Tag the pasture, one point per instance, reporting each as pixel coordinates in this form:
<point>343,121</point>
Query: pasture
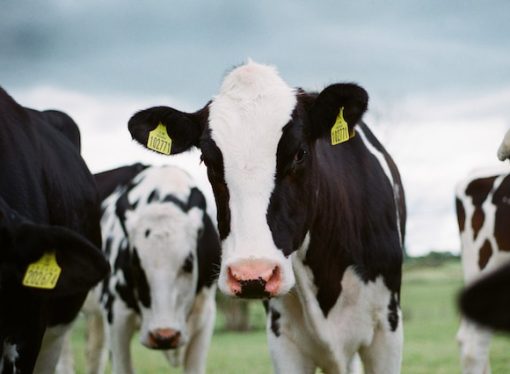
<point>431,322</point>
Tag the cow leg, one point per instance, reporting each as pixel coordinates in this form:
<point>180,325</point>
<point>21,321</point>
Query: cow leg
<point>384,354</point>
<point>51,347</point>
<point>287,357</point>
<point>96,350</point>
<point>65,363</point>
<point>195,359</point>
<point>474,343</point>
<point>120,333</point>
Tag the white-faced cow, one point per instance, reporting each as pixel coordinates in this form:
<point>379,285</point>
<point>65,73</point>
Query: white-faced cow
<point>315,228</point>
<point>483,213</point>
<point>48,206</point>
<point>165,253</point>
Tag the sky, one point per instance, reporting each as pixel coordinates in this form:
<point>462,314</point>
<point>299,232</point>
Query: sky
<point>436,72</point>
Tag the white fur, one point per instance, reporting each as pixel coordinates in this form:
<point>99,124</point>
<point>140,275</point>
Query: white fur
<point>173,235</point>
<point>246,120</point>
<point>384,165</point>
<point>474,341</point>
<point>10,354</point>
<point>504,148</point>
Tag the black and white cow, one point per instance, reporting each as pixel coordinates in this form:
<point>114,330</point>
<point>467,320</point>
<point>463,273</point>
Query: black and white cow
<point>48,204</point>
<point>316,228</point>
<point>483,213</point>
<point>164,252</point>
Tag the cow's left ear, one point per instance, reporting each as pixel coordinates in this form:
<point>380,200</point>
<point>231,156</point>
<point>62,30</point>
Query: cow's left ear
<point>82,264</point>
<point>338,107</point>
<point>167,130</point>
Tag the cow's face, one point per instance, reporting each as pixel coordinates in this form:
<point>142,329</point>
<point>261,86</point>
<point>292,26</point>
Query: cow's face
<point>163,239</point>
<point>257,138</point>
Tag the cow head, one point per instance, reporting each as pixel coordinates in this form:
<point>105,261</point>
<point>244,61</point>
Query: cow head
<point>257,139</point>
<point>163,239</point>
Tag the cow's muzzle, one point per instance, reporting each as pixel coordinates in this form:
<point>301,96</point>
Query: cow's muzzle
<point>254,279</point>
<point>164,338</point>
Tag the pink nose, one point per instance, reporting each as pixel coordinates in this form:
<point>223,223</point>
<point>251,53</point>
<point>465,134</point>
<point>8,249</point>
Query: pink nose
<point>254,279</point>
<point>164,338</point>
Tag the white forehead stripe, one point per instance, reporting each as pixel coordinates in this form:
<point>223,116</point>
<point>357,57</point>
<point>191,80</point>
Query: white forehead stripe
<point>246,120</point>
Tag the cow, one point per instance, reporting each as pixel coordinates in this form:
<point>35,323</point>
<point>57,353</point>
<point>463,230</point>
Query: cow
<point>483,214</point>
<point>310,211</point>
<point>50,236</point>
<point>504,148</point>
<point>164,253</point>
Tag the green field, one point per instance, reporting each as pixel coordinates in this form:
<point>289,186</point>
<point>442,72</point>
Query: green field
<point>431,322</point>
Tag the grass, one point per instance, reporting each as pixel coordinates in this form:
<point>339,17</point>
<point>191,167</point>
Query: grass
<point>430,326</point>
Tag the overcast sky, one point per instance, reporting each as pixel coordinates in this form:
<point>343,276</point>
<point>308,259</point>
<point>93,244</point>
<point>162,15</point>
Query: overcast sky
<point>437,73</point>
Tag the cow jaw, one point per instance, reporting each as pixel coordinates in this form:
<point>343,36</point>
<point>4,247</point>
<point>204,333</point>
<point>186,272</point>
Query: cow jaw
<point>246,121</point>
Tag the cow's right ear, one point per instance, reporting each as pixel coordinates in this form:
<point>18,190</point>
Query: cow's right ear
<point>183,129</point>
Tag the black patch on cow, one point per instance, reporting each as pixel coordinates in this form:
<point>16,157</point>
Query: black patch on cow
<point>393,312</point>
<point>147,233</point>
<point>122,205</point>
<point>461,214</point>
<point>213,159</point>
<point>124,263</point>
<point>501,199</point>
<point>253,289</point>
<point>109,181</point>
<point>484,254</point>
<point>209,254</point>
<point>265,304</point>
<point>153,196</point>
<point>487,300</point>
<point>107,247</point>
<point>187,266</point>
<point>275,321</point>
<point>478,190</point>
<point>196,199</point>
<point>142,285</point>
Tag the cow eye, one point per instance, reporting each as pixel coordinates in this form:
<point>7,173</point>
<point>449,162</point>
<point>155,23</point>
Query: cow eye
<point>300,156</point>
<point>187,267</point>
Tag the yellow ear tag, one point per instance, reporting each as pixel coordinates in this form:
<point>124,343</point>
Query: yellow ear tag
<point>159,140</point>
<point>340,130</point>
<point>43,273</point>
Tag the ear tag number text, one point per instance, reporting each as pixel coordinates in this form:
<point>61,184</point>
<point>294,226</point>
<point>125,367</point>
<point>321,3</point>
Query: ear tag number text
<point>43,273</point>
<point>159,140</point>
<point>340,130</point>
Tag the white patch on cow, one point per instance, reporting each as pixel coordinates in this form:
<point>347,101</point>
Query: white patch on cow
<point>474,341</point>
<point>246,120</point>
<point>384,165</point>
<point>10,354</point>
<point>358,322</point>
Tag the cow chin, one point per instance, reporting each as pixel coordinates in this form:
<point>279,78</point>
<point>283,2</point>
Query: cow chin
<point>256,277</point>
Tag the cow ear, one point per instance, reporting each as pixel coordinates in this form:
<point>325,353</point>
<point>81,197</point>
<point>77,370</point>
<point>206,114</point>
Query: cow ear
<point>179,130</point>
<point>487,301</point>
<point>339,101</point>
<point>82,264</point>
